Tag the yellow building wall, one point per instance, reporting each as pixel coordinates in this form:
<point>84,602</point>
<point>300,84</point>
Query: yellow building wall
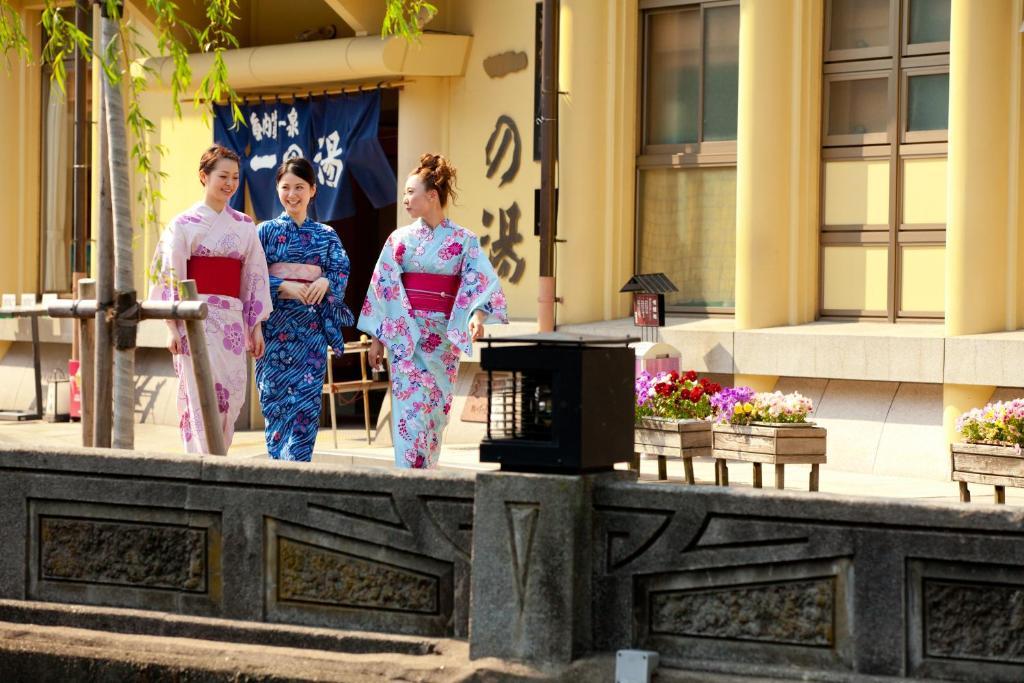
<point>20,90</point>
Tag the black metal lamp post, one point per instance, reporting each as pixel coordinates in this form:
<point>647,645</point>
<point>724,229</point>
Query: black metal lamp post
<point>558,403</point>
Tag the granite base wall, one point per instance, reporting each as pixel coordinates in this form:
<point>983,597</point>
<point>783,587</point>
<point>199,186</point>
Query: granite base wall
<point>783,584</point>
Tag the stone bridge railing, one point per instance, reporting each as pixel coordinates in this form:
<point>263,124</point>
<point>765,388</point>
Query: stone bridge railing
<point>545,568</point>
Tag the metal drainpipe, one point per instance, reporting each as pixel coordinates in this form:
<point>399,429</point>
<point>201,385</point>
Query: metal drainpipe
<point>548,159</point>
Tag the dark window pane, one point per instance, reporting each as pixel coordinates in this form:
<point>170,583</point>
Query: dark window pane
<point>858,106</point>
<point>721,71</point>
<point>928,102</point>
<point>929,21</point>
<point>673,76</point>
<point>859,24</point>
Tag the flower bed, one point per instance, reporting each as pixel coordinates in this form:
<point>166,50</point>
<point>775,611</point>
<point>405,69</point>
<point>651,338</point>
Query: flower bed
<point>672,419</point>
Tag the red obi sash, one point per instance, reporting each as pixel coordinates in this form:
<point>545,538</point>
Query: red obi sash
<point>431,292</point>
<point>219,275</point>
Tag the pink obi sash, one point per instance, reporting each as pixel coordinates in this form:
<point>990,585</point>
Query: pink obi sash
<point>295,272</point>
<point>218,275</point>
<point>431,292</point>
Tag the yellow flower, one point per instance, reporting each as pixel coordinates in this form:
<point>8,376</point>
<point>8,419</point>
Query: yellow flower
<point>737,409</point>
<point>748,408</point>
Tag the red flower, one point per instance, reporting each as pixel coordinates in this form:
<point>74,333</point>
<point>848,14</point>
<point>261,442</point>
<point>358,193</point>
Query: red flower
<point>714,388</point>
<point>696,393</point>
<point>691,375</point>
<point>704,382</point>
<point>674,376</point>
<point>663,389</point>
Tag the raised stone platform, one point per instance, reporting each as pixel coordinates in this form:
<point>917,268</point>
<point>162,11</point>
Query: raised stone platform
<point>756,582</point>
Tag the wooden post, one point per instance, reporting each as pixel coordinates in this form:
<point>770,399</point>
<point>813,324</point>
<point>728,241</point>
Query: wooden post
<point>780,477</point>
<point>688,470</point>
<point>364,340</point>
<point>103,382</point>
<point>330,395</point>
<point>814,477</point>
<point>757,475</point>
<point>1000,495</point>
<point>87,333</point>
<point>662,468</point>
<point>203,371</point>
<point>965,493</point>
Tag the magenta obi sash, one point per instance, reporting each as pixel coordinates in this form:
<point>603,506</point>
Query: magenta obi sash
<point>431,292</point>
<point>220,275</point>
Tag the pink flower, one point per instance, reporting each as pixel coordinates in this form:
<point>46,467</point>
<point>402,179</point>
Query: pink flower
<point>455,249</point>
<point>431,342</point>
<point>399,253</point>
<point>498,300</point>
<point>388,328</point>
<point>462,300</point>
<point>223,396</point>
<point>234,338</point>
<point>281,239</point>
<point>367,306</point>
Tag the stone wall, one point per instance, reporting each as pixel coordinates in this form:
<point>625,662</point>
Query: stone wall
<point>287,543</point>
<point>784,584</point>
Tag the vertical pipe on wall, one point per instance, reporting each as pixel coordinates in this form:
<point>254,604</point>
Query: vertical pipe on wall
<point>548,161</point>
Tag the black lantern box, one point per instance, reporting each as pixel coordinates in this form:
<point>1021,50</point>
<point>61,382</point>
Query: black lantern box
<point>558,403</point>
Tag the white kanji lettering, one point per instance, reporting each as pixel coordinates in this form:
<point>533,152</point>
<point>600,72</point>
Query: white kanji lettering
<point>328,158</point>
<point>270,124</point>
<point>292,152</point>
<point>254,124</point>
<point>293,123</point>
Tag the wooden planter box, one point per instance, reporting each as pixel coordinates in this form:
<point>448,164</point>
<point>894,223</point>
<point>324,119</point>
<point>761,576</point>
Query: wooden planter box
<point>683,439</point>
<point>977,463</point>
<point>768,444</point>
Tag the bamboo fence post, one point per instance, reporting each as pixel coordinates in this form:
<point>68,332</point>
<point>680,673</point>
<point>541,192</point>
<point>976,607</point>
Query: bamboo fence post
<point>87,350</point>
<point>203,371</point>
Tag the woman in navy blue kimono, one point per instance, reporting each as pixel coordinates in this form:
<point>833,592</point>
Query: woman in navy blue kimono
<point>308,273</point>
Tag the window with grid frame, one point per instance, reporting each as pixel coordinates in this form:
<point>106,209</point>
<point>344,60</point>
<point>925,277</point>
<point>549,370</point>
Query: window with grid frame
<point>884,130</point>
<point>686,166</point>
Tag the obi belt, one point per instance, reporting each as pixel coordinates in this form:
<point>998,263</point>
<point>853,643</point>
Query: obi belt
<point>220,275</point>
<point>295,272</point>
<point>431,292</point>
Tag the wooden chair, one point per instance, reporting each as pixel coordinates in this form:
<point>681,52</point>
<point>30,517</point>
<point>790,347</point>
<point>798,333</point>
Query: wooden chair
<point>365,384</point>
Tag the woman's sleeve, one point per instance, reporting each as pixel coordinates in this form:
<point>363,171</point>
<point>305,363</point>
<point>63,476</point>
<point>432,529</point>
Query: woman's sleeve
<point>336,271</point>
<point>170,264</point>
<point>479,290</point>
<point>255,286</point>
<point>386,313</point>
<point>266,233</point>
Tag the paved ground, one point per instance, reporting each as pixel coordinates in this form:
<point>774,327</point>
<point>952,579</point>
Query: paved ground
<point>353,450</point>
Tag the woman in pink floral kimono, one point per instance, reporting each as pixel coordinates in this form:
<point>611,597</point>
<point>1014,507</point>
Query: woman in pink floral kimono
<point>217,247</point>
<point>430,295</point>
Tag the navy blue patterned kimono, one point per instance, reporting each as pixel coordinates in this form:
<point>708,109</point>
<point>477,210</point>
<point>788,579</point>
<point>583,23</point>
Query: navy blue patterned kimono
<point>290,374</point>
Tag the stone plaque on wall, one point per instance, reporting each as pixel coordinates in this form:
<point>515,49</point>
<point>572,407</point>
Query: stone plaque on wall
<point>320,578</point>
<point>125,556</point>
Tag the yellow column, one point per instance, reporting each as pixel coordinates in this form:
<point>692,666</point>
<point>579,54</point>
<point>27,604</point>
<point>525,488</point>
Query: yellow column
<point>596,158</point>
<point>957,399</point>
<point>777,165</point>
<point>982,36</point>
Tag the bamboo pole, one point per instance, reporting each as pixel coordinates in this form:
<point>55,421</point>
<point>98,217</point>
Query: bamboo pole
<point>87,334</point>
<point>203,371</point>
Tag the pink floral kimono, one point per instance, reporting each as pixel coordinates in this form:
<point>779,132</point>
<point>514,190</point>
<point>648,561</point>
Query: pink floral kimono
<point>201,231</point>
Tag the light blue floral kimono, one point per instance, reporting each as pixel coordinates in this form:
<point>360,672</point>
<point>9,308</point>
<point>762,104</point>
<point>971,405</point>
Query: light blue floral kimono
<point>424,347</point>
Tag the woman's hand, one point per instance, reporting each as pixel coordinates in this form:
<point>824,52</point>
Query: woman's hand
<point>292,290</point>
<point>174,343</point>
<point>376,355</point>
<point>476,326</point>
<point>255,343</point>
<point>315,291</point>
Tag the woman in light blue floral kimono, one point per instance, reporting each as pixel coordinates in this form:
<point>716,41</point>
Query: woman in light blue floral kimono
<point>308,274</point>
<point>429,297</point>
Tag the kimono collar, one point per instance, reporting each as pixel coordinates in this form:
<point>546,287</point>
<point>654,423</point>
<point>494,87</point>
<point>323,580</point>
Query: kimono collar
<point>204,209</point>
<point>290,222</point>
<point>445,223</point>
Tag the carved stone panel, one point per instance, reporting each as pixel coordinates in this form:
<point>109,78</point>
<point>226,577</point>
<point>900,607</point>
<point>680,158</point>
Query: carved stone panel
<point>320,578</point>
<point>771,613</point>
<point>795,612</point>
<point>125,556</point>
<point>307,573</point>
<point>965,620</point>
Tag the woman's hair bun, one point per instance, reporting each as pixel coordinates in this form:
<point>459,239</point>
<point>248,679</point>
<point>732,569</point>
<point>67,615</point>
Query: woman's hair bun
<point>437,173</point>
